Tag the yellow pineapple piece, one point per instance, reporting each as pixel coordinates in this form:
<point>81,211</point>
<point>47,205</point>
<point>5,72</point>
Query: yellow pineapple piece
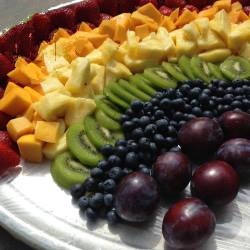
<point>216,55</point>
<point>47,131</point>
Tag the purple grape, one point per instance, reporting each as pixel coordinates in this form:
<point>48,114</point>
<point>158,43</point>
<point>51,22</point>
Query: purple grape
<point>235,124</point>
<point>200,137</point>
<point>136,197</point>
<point>236,152</point>
<point>215,182</point>
<point>172,172</point>
<point>188,224</point>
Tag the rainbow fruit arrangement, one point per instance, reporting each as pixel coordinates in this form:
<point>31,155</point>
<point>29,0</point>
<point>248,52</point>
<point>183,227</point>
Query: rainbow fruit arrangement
<point>125,98</point>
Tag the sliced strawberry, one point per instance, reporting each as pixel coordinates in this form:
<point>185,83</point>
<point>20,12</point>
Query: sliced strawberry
<point>88,11</point>
<point>198,3</point>
<point>62,18</point>
<point>143,2</point>
<point>8,42</point>
<point>166,11</point>
<point>1,92</point>
<point>127,5</point>
<point>105,16</point>
<point>5,138</point>
<point>109,6</point>
<point>191,7</point>
<point>247,10</point>
<point>4,119</point>
<point>42,27</point>
<point>8,157</point>
<point>6,65</point>
<point>245,2</point>
<point>175,3</point>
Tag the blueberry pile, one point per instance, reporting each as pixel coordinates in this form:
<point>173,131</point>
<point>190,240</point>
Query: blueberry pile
<point>150,129</point>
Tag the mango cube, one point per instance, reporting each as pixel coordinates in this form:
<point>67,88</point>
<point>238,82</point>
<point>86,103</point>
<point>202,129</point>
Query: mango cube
<point>30,148</point>
<point>47,131</point>
<point>151,11</point>
<point>18,127</point>
<point>35,96</point>
<point>142,31</point>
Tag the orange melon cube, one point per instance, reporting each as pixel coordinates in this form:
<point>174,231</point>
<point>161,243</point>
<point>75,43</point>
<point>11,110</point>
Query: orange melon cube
<point>209,13</point>
<point>35,96</point>
<point>83,46</point>
<point>151,11</point>
<point>142,31</point>
<point>168,23</point>
<point>186,17</point>
<point>10,86</point>
<point>138,19</point>
<point>47,131</point>
<point>174,15</point>
<point>236,6</point>
<point>84,27</point>
<point>223,4</point>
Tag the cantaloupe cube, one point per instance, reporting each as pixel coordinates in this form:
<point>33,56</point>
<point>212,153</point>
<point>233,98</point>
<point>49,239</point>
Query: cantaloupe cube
<point>108,27</point>
<point>151,11</point>
<point>35,96</point>
<point>83,46</point>
<point>175,14</point>
<point>84,27</point>
<point>142,31</point>
<point>18,127</point>
<point>47,131</point>
<point>209,13</point>
<point>223,4</point>
<point>168,23</point>
<point>38,88</point>
<point>29,113</point>
<point>60,33</point>
<point>15,102</point>
<point>186,17</point>
<point>123,24</point>
<point>236,6</point>
<point>30,148</point>
<point>138,19</point>
<point>18,76</point>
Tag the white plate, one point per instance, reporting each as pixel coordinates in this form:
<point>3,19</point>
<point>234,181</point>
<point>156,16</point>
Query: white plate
<point>41,214</point>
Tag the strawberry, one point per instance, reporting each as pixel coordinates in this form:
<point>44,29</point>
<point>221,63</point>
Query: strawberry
<point>191,7</point>
<point>245,2</point>
<point>62,18</point>
<point>198,3</point>
<point>109,6</point>
<point>89,11</point>
<point>1,92</point>
<point>143,2</point>
<point>8,42</point>
<point>8,157</point>
<point>247,10</point>
<point>5,138</point>
<point>105,16</point>
<point>175,3</point>
<point>6,65</point>
<point>4,119</point>
<point>165,10</point>
<point>42,27</point>
<point>127,5</point>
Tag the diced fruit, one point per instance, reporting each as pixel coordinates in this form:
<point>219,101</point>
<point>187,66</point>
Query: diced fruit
<point>151,11</point>
<point>186,17</point>
<point>18,127</point>
<point>51,84</point>
<point>6,65</point>
<point>223,4</point>
<point>166,11</point>
<point>216,55</point>
<point>47,131</point>
<point>109,6</point>
<point>209,13</point>
<point>30,148</point>
<point>35,96</point>
<point>175,3</point>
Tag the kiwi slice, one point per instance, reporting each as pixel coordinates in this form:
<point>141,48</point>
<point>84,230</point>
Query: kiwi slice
<point>106,122</point>
<point>134,90</point>
<point>141,83</point>
<point>108,108</point>
<point>215,71</point>
<point>115,99</point>
<point>200,69</point>
<point>81,147</point>
<point>235,67</point>
<point>174,71</point>
<point>67,171</point>
<point>184,64</point>
<point>117,90</point>
<point>159,78</point>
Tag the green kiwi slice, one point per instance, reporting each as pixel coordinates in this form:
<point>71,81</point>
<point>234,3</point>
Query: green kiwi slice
<point>159,78</point>
<point>174,71</point>
<point>215,71</point>
<point>235,67</point>
<point>81,147</point>
<point>184,64</point>
<point>141,83</point>
<point>67,171</point>
<point>106,122</point>
<point>200,69</point>
<point>134,90</point>
<point>115,99</point>
<point>108,108</point>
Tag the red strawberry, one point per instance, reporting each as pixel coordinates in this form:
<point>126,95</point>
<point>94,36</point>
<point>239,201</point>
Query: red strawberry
<point>143,2</point>
<point>4,119</point>
<point>105,16</point>
<point>8,157</point>
<point>165,10</point>
<point>127,5</point>
<point>247,10</point>
<point>6,65</point>
<point>89,11</point>
<point>42,27</point>
<point>1,92</point>
<point>245,2</point>
<point>175,3</point>
<point>8,42</point>
<point>191,7</point>
<point>109,6</point>
<point>198,3</point>
<point>62,18</point>
<point>5,138</point>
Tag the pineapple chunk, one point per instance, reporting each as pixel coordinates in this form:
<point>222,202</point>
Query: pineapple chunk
<point>245,51</point>
<point>62,74</point>
<point>191,31</point>
<point>216,55</point>
<point>203,25</point>
<point>51,84</point>
<point>47,131</point>
<point>184,46</point>
<point>97,78</point>
<point>53,62</point>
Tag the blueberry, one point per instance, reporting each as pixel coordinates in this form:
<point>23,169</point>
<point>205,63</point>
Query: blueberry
<point>173,123</point>
<point>127,171</point>
<point>159,114</point>
<point>136,121</point>
<point>112,217</point>
<point>121,151</point>
<point>155,101</point>
<point>108,200</point>
<point>229,90</point>
<point>159,95</point>
<point>228,98</point>
<point>107,150</point>
<point>91,214</point>
<point>131,160</point>
<point>196,111</point>
<point>194,102</point>
<point>194,93</point>
<point>109,186</point>
<point>172,131</point>
<point>96,173</point>
<point>83,203</point>
<point>132,146</point>
<point>208,113</point>
<point>137,133</point>
<point>90,184</point>
<point>220,91</point>
<point>181,123</point>
<point>124,118</point>
<point>236,104</point>
<point>187,107</point>
<point>165,104</point>
<point>141,166</point>
<point>121,142</point>
<point>96,201</point>
<point>239,91</point>
<point>114,160</point>
<point>178,116</point>
<point>178,94</point>
<point>137,106</point>
<point>159,140</point>
<point>191,116</point>
<point>144,143</point>
<point>128,126</point>
<point>245,104</point>
<point>129,112</point>
<point>144,121</point>
<point>211,104</point>
<point>150,129</point>
<point>203,98</point>
<point>153,147</point>
<point>148,106</point>
<point>171,141</point>
<point>77,191</point>
<point>238,97</point>
<point>115,173</point>
<point>184,88</point>
<point>104,165</point>
<point>100,186</point>
<point>162,125</point>
<point>207,91</point>
<point>145,171</point>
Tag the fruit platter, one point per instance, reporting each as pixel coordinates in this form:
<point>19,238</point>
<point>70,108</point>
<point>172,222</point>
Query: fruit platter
<point>126,125</point>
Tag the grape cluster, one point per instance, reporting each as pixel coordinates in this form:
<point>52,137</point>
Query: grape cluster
<point>150,129</point>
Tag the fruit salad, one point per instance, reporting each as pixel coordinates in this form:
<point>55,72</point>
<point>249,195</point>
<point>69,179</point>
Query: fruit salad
<point>131,101</point>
